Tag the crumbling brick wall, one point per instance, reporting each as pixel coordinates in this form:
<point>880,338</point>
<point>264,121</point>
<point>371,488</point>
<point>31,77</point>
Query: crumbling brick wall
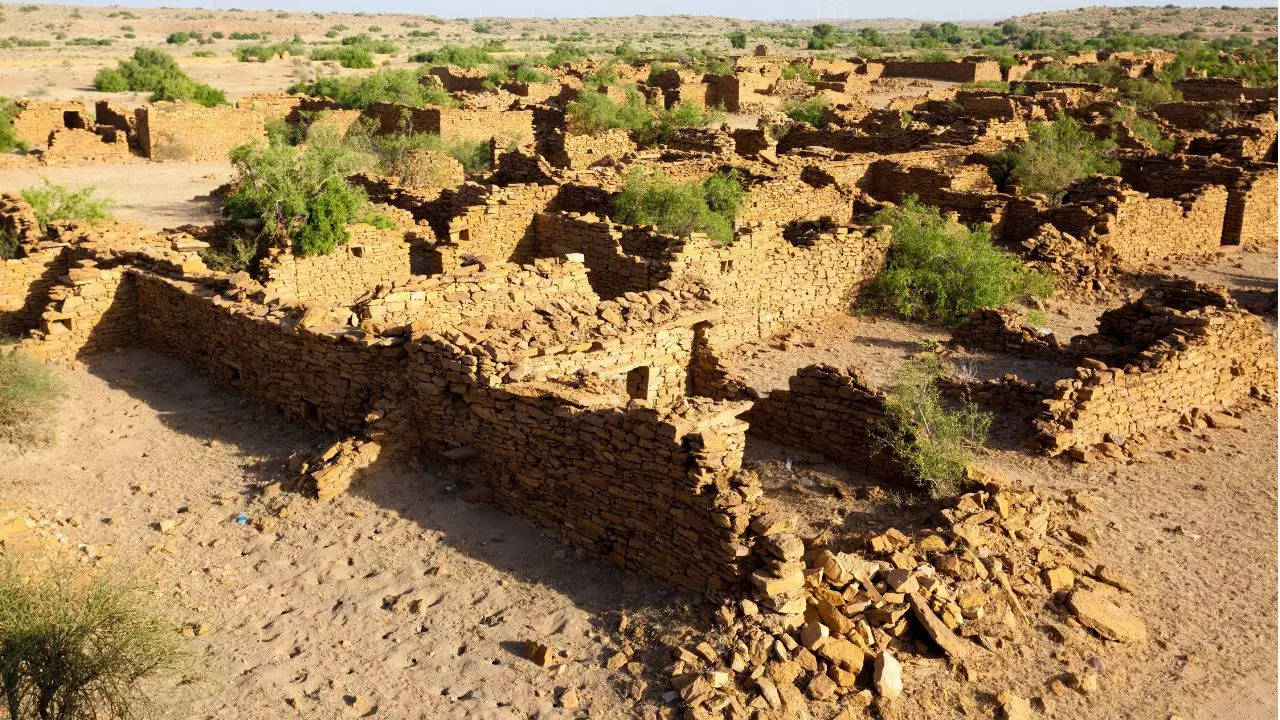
<point>651,491</point>
<point>1251,212</point>
<point>95,312</point>
<point>950,71</point>
<point>455,124</point>
<point>194,133</point>
<point>493,223</point>
<point>311,376</point>
<point>370,256</point>
<point>614,269</point>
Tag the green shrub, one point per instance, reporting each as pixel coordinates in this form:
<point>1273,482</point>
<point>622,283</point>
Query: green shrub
<point>737,39</point>
<point>29,394</point>
<point>55,202</point>
<point>204,53</point>
<point>1144,128</point>
<point>940,271</point>
<point>8,135</point>
<point>593,113</point>
<point>90,42</point>
<point>564,53</point>
<point>1058,154</point>
<point>459,56</point>
<point>259,52</point>
<point>178,38</point>
<point>935,442</point>
<point>76,648</point>
<point>796,69</point>
<point>806,111</point>
<point>681,208</point>
<point>823,37</point>
<point>238,255</point>
<point>1146,94</point>
<point>155,72</point>
<point>387,85</point>
<point>9,242</point>
<point>301,196</point>
<point>667,122</point>
<point>347,57</point>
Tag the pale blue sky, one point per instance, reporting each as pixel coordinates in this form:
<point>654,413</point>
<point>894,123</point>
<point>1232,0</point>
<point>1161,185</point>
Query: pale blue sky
<point>751,9</point>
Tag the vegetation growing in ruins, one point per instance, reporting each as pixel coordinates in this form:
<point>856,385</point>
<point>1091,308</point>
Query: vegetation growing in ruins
<point>593,113</point>
<point>936,442</point>
<point>391,153</point>
<point>387,85</point>
<point>806,111</point>
<point>155,72</point>
<point>681,208</point>
<point>55,202</point>
<point>1144,128</point>
<point>237,255</point>
<point>75,647</point>
<point>1056,155</point>
<point>301,195</point>
<point>939,271</point>
<point>8,135</point>
<point>29,393</point>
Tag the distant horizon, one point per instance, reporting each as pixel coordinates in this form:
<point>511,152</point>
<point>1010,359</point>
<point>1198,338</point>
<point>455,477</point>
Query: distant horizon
<point>754,10</point>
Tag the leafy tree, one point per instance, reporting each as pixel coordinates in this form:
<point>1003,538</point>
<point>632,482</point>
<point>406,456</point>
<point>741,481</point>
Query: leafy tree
<point>738,39</point>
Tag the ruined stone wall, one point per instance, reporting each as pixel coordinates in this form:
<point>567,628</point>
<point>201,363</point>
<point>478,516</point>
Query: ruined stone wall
<point>1133,226</point>
<point>96,311</point>
<point>370,256</point>
<point>25,283</point>
<point>950,71</point>
<point>84,147</point>
<point>315,377</point>
<point>575,152</point>
<point>792,198</point>
<point>765,282</point>
<point>443,301</point>
<point>834,413</point>
<point>493,223</point>
<point>1251,213</point>
<point>1204,357</point>
<point>613,270</point>
<point>194,133</point>
<point>455,124</point>
<point>651,491</point>
<point>1212,89</point>
<point>36,120</point>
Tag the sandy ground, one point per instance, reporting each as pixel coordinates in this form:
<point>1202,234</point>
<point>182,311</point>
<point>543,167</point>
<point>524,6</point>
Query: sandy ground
<point>296,610</point>
<point>158,194</point>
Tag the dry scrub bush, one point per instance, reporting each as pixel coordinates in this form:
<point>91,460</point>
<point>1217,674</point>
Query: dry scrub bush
<point>29,394</point>
<point>76,648</point>
<point>936,442</point>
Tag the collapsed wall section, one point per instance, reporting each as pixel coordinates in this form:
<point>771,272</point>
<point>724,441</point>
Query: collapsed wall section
<point>447,300</point>
<point>1182,350</point>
